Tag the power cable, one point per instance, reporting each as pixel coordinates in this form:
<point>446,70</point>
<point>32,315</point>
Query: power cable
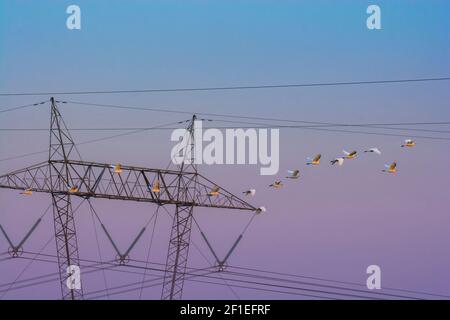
<point>148,252</point>
<point>9,109</point>
<point>86,142</point>
<point>228,88</point>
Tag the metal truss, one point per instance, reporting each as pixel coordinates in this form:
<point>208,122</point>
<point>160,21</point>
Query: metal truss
<point>177,255</point>
<point>66,244</point>
<point>99,180</point>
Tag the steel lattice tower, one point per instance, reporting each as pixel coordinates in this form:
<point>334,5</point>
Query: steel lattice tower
<point>61,147</point>
<point>177,255</point>
<point>63,178</point>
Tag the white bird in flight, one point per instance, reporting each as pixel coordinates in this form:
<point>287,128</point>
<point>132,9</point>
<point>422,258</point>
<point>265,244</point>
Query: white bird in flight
<point>339,161</point>
<point>409,143</point>
<point>27,192</point>
<point>156,187</point>
<point>214,191</point>
<point>374,150</point>
<point>260,210</point>
<point>73,189</point>
<point>314,161</point>
<point>350,155</point>
<point>250,192</point>
<point>392,168</point>
<point>293,174</point>
<point>117,168</point>
<point>277,184</point>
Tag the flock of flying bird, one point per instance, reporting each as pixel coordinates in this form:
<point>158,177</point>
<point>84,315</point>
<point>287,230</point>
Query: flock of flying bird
<point>295,174</point>
<point>292,174</point>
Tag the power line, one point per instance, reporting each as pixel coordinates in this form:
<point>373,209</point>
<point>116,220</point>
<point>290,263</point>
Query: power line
<point>98,248</point>
<point>262,284</point>
<point>229,88</point>
<point>326,124</point>
<point>302,276</point>
<point>311,124</point>
<point>35,255</point>
<point>265,290</point>
<point>267,125</point>
<point>149,250</point>
<point>229,116</point>
<point>242,127</point>
<point>238,280</point>
<point>191,278</point>
<point>354,293</point>
<point>23,106</point>
<point>90,141</point>
<point>334,281</point>
<point>126,285</point>
<point>110,267</point>
<point>288,127</point>
<point>33,284</point>
<point>232,116</point>
<point>382,134</point>
<point>268,278</point>
<point>114,268</point>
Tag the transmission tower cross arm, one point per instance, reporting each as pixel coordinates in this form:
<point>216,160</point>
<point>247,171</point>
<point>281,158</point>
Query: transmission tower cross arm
<point>33,178</point>
<point>120,182</point>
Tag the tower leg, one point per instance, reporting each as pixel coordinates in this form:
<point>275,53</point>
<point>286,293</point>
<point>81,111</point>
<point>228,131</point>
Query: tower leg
<point>66,246</point>
<point>177,254</point>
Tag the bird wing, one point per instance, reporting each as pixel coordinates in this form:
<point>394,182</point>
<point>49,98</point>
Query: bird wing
<point>346,152</point>
<point>353,153</point>
<point>393,166</point>
<point>317,158</point>
<point>376,150</point>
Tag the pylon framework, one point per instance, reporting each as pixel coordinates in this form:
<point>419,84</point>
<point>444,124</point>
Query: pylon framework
<point>62,177</point>
<point>177,254</point>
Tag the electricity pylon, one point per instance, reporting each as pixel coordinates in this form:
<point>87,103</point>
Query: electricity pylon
<point>62,178</point>
<point>177,254</point>
<point>61,147</point>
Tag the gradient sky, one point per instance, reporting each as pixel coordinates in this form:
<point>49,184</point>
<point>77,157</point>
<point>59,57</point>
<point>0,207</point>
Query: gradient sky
<point>333,222</point>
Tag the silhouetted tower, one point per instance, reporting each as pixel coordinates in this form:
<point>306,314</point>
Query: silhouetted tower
<point>177,255</point>
<point>63,178</point>
<point>61,147</point>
